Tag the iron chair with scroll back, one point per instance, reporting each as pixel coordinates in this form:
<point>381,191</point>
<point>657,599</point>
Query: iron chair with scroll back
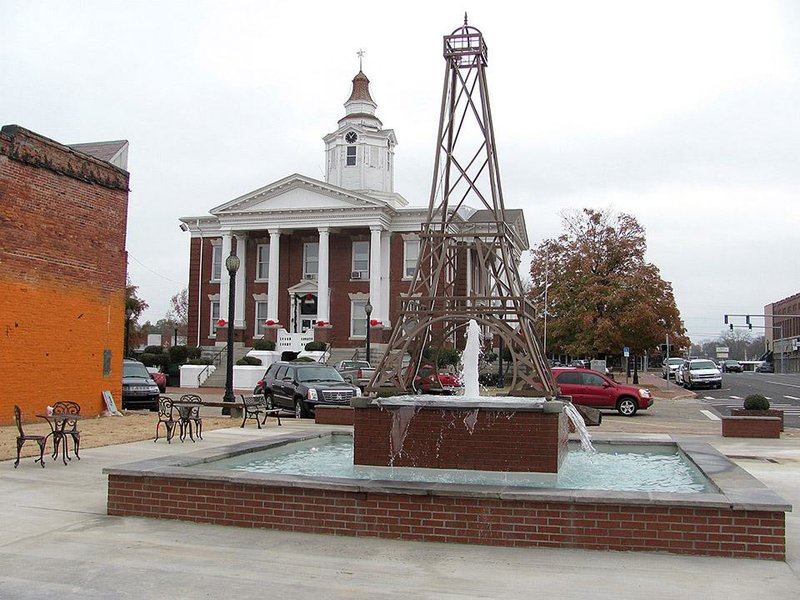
<point>70,426</point>
<point>193,415</point>
<point>165,416</point>
<point>22,438</point>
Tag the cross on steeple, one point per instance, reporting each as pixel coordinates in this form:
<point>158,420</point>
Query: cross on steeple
<point>360,55</point>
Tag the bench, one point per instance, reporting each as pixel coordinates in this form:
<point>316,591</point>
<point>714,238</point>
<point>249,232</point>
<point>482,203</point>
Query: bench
<point>256,405</point>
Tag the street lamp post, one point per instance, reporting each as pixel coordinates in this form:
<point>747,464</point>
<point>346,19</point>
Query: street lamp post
<point>128,315</point>
<point>232,264</point>
<point>368,312</point>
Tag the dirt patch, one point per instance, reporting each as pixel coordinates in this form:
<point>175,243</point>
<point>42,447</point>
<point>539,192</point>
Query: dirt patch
<point>100,431</point>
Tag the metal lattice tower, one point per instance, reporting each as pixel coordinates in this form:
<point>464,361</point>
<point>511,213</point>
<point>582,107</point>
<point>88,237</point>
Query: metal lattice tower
<point>438,303</point>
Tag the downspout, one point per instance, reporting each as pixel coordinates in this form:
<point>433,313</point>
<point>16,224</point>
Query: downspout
<point>199,285</point>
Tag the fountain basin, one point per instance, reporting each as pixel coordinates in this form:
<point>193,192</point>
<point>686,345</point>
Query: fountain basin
<point>740,518</point>
<point>483,434</point>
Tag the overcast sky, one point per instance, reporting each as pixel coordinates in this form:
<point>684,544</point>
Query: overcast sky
<point>684,114</point>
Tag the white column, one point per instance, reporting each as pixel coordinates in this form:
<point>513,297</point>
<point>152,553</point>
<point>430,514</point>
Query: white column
<point>224,277</point>
<point>241,281</point>
<point>323,298</point>
<point>386,237</point>
<point>273,288</point>
<point>375,272</point>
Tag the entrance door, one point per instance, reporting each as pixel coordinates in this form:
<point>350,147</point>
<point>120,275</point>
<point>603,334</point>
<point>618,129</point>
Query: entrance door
<point>306,315</point>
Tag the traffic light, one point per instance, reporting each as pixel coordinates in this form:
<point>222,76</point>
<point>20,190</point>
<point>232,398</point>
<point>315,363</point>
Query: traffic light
<point>749,325</point>
<point>726,319</point>
<point>731,326</point>
<point>747,320</point>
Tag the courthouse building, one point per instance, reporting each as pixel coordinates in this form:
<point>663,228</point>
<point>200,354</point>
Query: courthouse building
<point>312,253</point>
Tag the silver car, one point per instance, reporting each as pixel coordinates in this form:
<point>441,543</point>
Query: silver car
<point>670,366</point>
<point>681,372</point>
<point>701,373</point>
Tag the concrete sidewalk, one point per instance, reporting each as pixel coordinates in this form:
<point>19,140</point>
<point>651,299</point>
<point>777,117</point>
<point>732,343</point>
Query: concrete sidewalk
<point>56,540</point>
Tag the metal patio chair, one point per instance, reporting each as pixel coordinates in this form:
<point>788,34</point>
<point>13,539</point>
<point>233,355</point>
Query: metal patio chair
<point>70,427</point>
<point>165,416</point>
<point>22,438</point>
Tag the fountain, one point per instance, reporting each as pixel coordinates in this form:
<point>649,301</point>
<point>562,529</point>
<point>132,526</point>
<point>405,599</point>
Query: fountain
<point>465,469</point>
<point>471,432</point>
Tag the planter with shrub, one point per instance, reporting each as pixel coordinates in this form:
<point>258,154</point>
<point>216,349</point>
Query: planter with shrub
<point>756,405</point>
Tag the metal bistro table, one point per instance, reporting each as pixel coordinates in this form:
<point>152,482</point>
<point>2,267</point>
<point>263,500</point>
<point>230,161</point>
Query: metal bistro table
<point>188,412</point>
<point>58,422</point>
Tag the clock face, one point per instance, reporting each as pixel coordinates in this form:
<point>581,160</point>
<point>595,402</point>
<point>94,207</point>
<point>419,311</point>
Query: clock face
<point>351,137</point>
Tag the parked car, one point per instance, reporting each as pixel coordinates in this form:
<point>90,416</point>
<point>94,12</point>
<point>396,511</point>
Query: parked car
<point>765,367</point>
<point>357,372</point>
<point>590,388</point>
<point>701,373</point>
<point>138,388</point>
<point>581,364</point>
<point>159,377</point>
<point>670,366</point>
<point>731,366</point>
<point>301,386</point>
<point>430,381</point>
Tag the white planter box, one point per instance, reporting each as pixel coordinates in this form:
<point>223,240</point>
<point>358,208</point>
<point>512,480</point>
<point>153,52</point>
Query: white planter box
<point>245,377</point>
<point>189,374</point>
<point>267,357</point>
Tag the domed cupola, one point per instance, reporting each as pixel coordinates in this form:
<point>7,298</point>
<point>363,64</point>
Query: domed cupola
<point>360,107</point>
<point>359,155</point>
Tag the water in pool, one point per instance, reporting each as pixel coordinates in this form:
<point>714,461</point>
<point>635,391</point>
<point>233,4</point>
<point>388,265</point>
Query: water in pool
<point>614,467</point>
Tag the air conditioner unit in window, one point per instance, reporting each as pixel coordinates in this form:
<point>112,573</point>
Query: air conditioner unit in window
<point>355,275</point>
<point>310,276</point>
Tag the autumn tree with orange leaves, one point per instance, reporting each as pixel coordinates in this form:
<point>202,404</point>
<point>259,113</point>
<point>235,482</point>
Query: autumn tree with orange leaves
<point>601,293</point>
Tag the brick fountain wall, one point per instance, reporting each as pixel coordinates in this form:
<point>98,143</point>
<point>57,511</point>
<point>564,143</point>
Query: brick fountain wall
<point>417,515</point>
<point>463,437</point>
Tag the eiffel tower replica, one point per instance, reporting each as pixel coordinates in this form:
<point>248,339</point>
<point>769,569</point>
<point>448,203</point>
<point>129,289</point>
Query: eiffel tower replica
<point>439,305</point>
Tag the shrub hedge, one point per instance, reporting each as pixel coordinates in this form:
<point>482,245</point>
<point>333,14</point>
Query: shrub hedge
<point>249,360</point>
<point>756,402</point>
<point>263,345</point>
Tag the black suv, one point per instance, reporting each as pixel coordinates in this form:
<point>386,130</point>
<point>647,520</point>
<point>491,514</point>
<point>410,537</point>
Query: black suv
<point>300,386</point>
<point>138,388</point>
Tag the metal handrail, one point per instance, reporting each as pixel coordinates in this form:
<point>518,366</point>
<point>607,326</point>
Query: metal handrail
<point>215,360</point>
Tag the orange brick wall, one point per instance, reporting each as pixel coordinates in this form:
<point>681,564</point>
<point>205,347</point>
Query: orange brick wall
<point>63,217</point>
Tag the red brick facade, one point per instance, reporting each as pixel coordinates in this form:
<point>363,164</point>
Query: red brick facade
<point>444,518</point>
<point>63,216</point>
<point>291,273</point>
<point>483,440</point>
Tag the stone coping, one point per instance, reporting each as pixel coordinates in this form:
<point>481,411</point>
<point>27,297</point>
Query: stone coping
<point>462,403</point>
<point>736,488</point>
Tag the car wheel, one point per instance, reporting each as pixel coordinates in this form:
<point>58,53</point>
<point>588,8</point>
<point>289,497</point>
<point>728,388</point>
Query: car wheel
<point>719,386</point>
<point>299,409</point>
<point>270,401</point>
<point>627,407</point>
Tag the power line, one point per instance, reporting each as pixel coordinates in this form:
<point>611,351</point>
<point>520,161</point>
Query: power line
<point>155,272</point>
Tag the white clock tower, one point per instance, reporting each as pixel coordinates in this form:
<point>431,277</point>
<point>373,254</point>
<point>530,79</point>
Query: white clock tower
<point>360,153</point>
